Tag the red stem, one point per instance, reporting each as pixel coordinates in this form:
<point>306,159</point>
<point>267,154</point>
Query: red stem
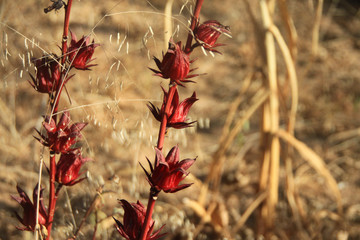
<point>52,199</point>
<point>194,21</point>
<point>187,50</point>
<point>163,124</point>
<point>149,211</point>
<point>63,53</point>
<point>162,131</point>
<point>66,31</point>
<point>54,196</point>
<point>55,102</point>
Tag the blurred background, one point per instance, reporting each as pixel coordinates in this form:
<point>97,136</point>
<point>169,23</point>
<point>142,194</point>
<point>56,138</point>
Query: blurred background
<point>323,40</point>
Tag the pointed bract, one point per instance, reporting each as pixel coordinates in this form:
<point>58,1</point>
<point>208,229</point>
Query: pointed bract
<point>177,112</point>
<point>68,168</point>
<point>80,52</point>
<point>29,215</point>
<point>134,216</point>
<point>175,64</point>
<point>168,172</point>
<point>47,79</point>
<point>60,138</point>
<point>206,34</point>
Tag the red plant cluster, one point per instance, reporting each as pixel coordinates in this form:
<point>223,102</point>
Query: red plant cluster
<point>62,138</point>
<point>58,135</point>
<point>167,172</point>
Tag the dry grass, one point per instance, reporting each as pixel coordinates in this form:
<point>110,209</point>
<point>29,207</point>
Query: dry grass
<point>278,132</point>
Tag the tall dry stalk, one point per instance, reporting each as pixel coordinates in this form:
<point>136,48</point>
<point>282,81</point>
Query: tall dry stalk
<point>269,178</point>
<point>316,28</point>
<point>168,22</point>
<point>268,36</point>
<point>270,164</point>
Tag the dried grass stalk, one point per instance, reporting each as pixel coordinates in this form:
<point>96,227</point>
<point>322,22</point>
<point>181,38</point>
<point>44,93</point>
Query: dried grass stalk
<point>290,65</point>
<point>316,28</point>
<point>292,36</point>
<point>168,22</point>
<point>272,144</point>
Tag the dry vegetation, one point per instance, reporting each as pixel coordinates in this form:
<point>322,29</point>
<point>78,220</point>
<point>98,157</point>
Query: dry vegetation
<point>225,200</point>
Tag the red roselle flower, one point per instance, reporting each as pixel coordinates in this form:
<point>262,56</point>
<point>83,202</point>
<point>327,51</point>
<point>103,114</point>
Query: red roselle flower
<point>80,52</point>
<point>48,75</point>
<point>206,34</point>
<point>68,168</point>
<point>175,64</point>
<point>134,217</point>
<point>60,138</point>
<point>168,172</point>
<point>29,216</point>
<point>177,113</point>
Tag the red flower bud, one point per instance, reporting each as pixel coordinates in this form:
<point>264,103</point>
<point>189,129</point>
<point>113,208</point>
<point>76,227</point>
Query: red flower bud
<point>175,64</point>
<point>207,34</point>
<point>47,75</point>
<point>62,137</point>
<point>134,216</point>
<point>80,52</point>
<point>29,216</point>
<point>168,172</point>
<point>68,168</point>
<point>177,113</point>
